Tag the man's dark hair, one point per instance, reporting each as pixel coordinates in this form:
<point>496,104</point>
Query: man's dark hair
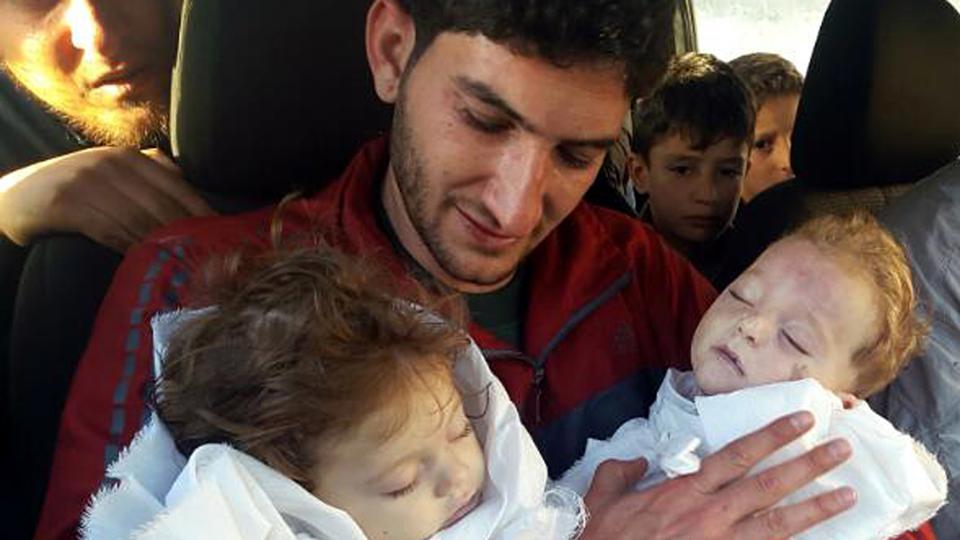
<point>700,98</point>
<point>768,75</point>
<point>635,33</point>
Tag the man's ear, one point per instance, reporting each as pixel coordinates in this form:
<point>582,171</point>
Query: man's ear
<point>637,167</point>
<point>390,39</point>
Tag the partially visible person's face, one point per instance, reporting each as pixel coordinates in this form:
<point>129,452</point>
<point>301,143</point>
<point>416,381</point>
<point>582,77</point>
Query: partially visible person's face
<point>103,65</point>
<point>770,158</point>
<point>693,194</point>
<point>490,151</point>
<point>795,313</point>
<point>422,479</point>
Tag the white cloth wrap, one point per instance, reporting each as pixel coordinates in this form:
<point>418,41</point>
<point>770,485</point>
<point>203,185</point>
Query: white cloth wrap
<point>222,493</point>
<point>899,484</point>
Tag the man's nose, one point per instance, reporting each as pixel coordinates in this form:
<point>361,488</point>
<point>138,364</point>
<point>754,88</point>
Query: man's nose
<point>515,196</point>
<point>81,20</point>
<point>95,27</point>
<point>755,329</point>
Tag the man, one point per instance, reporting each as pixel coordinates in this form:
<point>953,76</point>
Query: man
<point>84,85</point>
<point>925,398</point>
<point>504,112</point>
<point>103,67</point>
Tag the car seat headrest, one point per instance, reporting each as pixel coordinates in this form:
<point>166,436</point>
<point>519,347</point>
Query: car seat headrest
<point>269,97</point>
<point>880,102</point>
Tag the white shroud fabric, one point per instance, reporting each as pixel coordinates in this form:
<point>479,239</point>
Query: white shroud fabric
<point>225,494</point>
<point>899,484</point>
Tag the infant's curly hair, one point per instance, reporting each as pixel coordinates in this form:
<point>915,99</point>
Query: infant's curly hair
<point>865,247</point>
<point>301,347</point>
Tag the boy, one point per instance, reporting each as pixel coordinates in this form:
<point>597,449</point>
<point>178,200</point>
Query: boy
<point>776,85</point>
<point>824,317</point>
<point>691,145</point>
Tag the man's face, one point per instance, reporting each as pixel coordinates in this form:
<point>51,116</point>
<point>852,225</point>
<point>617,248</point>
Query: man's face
<point>770,158</point>
<point>693,194</point>
<point>797,312</point>
<point>490,151</point>
<point>104,65</point>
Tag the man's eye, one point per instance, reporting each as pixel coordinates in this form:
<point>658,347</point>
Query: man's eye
<point>732,173</point>
<point>484,125</point>
<point>794,343</point>
<point>573,160</point>
<point>680,170</point>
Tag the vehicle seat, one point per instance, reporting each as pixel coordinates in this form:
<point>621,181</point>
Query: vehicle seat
<point>269,97</point>
<point>879,111</point>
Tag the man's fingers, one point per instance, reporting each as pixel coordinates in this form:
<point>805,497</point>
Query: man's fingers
<point>103,229</point>
<point>763,490</point>
<point>167,177</point>
<point>612,479</point>
<point>103,210</point>
<point>787,521</point>
<point>737,458</point>
<point>145,195</point>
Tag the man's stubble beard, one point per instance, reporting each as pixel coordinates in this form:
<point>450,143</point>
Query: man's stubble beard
<point>104,123</point>
<point>410,174</point>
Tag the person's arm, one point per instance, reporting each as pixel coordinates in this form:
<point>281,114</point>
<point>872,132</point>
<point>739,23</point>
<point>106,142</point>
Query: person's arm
<point>719,502</point>
<point>107,399</point>
<point>115,196</point>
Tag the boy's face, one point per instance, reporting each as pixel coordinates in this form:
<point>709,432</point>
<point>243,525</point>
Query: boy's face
<point>770,158</point>
<point>795,313</point>
<point>424,478</point>
<point>693,194</point>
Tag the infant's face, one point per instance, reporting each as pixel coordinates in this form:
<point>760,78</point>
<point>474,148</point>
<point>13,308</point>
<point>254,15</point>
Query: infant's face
<point>795,313</point>
<point>423,478</point>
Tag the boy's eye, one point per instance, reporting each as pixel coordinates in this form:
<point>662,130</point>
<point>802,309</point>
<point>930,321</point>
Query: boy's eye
<point>732,173</point>
<point>405,490</point>
<point>484,125</point>
<point>680,170</point>
<point>794,343</point>
<point>763,145</point>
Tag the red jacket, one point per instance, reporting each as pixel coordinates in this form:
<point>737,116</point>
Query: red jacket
<point>610,307</point>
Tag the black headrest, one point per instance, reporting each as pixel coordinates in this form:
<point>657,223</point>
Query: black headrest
<point>271,96</point>
<point>881,102</point>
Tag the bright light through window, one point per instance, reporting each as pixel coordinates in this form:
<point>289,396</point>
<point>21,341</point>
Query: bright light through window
<point>730,28</point>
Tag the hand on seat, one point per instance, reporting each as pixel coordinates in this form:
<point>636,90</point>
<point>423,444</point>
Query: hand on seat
<point>115,196</point>
<point>718,502</point>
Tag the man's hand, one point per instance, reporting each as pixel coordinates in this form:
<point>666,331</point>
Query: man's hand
<point>718,502</point>
<point>115,196</point>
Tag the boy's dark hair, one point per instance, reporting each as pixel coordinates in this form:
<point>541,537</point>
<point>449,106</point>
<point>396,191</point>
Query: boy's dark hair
<point>635,33</point>
<point>768,75</point>
<point>701,98</point>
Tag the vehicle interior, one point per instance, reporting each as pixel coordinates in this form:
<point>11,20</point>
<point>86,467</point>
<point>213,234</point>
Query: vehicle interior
<point>880,111</point>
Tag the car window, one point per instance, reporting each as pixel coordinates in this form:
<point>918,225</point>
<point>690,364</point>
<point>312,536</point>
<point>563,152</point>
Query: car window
<point>729,28</point>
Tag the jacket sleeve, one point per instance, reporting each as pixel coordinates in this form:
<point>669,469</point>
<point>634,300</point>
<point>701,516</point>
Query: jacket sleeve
<point>925,532</point>
<point>106,403</point>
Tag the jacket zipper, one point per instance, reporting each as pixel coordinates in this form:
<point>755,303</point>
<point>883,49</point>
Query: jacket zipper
<point>532,408</point>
